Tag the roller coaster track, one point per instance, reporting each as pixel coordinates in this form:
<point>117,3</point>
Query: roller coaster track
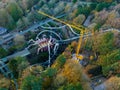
<point>87,35</point>
<point>5,70</point>
<point>53,27</point>
<point>48,32</point>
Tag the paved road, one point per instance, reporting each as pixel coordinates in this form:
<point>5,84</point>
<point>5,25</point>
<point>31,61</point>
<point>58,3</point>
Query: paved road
<point>22,53</point>
<point>100,87</point>
<point>87,21</point>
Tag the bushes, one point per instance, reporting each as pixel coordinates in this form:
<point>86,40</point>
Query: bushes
<point>31,82</point>
<point>71,86</point>
<point>3,89</point>
<point>17,65</point>
<point>113,83</point>
<point>109,58</point>
<point>60,61</point>
<point>102,5</point>
<point>83,10</point>
<point>3,52</point>
<point>104,43</point>
<point>114,68</point>
<point>74,1</point>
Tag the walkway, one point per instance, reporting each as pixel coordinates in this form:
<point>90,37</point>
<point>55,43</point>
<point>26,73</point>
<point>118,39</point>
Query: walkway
<point>22,53</point>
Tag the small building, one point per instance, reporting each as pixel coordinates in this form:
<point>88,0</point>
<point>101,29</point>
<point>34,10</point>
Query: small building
<point>2,30</point>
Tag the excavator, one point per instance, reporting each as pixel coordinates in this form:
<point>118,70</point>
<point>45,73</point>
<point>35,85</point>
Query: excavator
<point>82,32</point>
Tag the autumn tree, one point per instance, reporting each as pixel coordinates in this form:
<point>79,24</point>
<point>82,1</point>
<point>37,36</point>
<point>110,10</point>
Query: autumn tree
<point>101,17</point>
<point>4,83</point>
<point>19,41</point>
<point>72,71</point>
<point>103,44</point>
<point>113,83</point>
<point>68,7</point>
<point>79,19</point>
<point>59,80</point>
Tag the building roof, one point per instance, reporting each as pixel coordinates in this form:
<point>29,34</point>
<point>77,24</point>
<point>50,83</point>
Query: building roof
<point>2,30</point>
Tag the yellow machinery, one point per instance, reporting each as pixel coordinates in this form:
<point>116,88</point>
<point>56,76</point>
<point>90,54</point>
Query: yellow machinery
<point>81,28</point>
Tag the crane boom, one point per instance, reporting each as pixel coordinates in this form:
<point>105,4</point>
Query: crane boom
<point>79,47</point>
<point>73,26</point>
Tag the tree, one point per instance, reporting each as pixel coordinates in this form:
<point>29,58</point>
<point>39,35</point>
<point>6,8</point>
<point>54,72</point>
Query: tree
<point>3,52</point>
<point>72,14</point>
<point>22,64</point>
<point>51,3</point>
<point>15,11</point>
<point>104,43</point>
<point>84,10</point>
<point>72,71</point>
<point>48,77</point>
<point>74,1</point>
<point>79,19</point>
<point>6,20</point>
<point>68,7</point>
<point>111,69</point>
<point>60,61</point>
<point>73,46</point>
<point>17,65</point>
<point>4,83</point>
<point>13,66</point>
<point>113,83</point>
<point>117,40</point>
<point>113,20</point>
<point>31,82</point>
<point>19,41</point>
<point>108,1</point>
<point>3,89</point>
<point>72,86</point>
<point>59,8</point>
<point>12,50</point>
<point>59,80</point>
<point>101,17</point>
<point>22,23</point>
<point>102,5</point>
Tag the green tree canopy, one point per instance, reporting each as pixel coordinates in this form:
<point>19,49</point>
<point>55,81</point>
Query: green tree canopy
<point>15,11</point>
<point>6,20</point>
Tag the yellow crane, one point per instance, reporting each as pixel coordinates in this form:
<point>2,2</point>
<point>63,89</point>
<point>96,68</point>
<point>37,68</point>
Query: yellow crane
<point>81,28</point>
